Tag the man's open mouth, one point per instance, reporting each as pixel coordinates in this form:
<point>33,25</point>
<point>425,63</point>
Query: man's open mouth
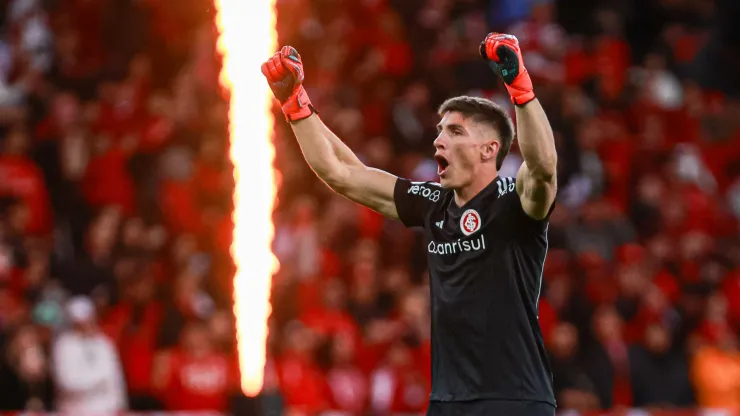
<point>442,164</point>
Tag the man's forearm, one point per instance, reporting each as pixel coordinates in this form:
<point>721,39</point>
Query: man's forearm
<point>324,152</point>
<point>343,152</point>
<point>536,142</point>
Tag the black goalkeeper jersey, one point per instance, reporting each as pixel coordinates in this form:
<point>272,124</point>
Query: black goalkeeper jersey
<point>485,275</point>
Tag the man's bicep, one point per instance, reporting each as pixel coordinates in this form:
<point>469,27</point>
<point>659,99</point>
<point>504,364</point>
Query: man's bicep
<point>372,188</point>
<point>536,194</point>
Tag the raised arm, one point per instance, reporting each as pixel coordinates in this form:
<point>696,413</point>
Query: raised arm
<point>341,170</point>
<point>326,154</point>
<point>536,182</point>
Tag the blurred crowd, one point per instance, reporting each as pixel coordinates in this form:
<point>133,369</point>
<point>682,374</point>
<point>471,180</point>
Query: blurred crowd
<point>115,193</point>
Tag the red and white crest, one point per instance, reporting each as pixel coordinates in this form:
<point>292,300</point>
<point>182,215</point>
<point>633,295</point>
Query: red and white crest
<point>470,222</point>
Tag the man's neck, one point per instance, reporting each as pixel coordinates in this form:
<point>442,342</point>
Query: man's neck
<point>464,195</point>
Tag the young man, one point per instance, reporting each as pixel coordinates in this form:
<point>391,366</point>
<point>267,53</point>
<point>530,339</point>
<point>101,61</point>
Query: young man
<point>487,235</point>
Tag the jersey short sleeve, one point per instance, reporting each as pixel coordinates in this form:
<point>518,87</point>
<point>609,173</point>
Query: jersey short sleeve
<point>414,200</point>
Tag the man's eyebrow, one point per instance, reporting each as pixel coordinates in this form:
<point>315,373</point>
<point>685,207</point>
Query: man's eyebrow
<point>451,126</point>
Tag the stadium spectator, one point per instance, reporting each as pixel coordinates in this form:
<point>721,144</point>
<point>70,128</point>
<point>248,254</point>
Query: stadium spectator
<point>398,385</point>
<point>300,377</point>
<point>132,325</point>
<point>658,372</point>
<point>24,376</point>
<point>23,179</point>
<point>194,375</point>
<point>573,388</point>
<point>86,367</point>
<point>347,384</point>
<point>715,371</point>
<point>607,361</point>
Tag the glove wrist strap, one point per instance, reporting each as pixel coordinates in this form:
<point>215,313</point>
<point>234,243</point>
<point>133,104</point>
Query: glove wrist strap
<point>298,106</point>
<point>521,97</point>
<point>521,90</point>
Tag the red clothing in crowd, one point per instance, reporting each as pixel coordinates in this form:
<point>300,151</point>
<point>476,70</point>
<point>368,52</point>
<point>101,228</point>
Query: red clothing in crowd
<point>700,209</point>
<point>667,284</point>
<point>21,178</point>
<point>612,60</point>
<point>120,119</point>
<point>375,117</point>
<point>731,290</point>
<point>548,318</point>
<point>301,383</point>
<point>107,181</point>
<point>330,322</point>
<point>617,155</point>
<point>400,390</point>
<point>713,331</point>
<point>397,57</point>
<point>178,202</point>
<point>212,181</point>
<point>402,384</point>
<point>719,157</point>
<point>348,389</point>
<point>156,133</point>
<point>224,233</point>
<point>198,383</point>
<point>578,66</point>
<point>370,223</point>
<point>135,342</point>
<point>368,356</point>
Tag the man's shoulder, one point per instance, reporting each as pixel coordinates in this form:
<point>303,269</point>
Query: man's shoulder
<point>505,203</point>
<point>498,198</point>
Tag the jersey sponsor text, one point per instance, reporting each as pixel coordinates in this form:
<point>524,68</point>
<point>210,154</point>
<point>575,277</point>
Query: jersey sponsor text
<point>425,191</point>
<point>458,246</point>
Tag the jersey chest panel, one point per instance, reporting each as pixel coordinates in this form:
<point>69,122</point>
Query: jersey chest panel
<point>476,235</point>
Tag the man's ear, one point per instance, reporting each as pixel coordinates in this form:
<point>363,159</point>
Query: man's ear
<point>489,150</point>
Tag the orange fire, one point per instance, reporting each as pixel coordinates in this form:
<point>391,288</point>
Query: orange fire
<point>247,37</point>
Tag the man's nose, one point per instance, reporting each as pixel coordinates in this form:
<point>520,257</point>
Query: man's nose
<point>439,142</point>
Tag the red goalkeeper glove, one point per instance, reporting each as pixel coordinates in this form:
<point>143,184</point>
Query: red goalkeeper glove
<point>503,54</point>
<point>284,73</point>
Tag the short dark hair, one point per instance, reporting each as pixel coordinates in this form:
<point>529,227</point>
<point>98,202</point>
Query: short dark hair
<point>484,111</point>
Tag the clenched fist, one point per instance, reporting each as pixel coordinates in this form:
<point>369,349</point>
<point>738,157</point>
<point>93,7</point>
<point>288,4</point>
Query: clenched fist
<point>505,58</point>
<point>284,73</point>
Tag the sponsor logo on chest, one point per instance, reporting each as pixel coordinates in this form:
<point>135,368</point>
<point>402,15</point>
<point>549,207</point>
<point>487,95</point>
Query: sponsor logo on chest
<point>470,223</point>
<point>459,246</point>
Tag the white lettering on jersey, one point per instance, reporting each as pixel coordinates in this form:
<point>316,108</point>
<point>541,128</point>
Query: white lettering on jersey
<point>506,185</point>
<point>423,189</point>
<point>458,246</point>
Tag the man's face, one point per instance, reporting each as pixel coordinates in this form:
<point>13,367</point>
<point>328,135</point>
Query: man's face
<point>657,339</point>
<point>462,145</point>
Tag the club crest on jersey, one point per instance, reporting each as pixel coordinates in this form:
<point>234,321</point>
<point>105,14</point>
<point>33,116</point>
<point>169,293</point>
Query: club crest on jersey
<point>470,222</point>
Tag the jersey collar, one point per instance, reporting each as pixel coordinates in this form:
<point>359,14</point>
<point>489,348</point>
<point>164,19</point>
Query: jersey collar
<point>492,187</point>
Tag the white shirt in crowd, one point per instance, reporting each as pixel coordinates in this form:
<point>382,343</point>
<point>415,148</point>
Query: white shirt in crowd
<point>86,368</point>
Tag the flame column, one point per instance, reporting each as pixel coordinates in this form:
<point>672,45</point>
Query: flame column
<point>247,37</point>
